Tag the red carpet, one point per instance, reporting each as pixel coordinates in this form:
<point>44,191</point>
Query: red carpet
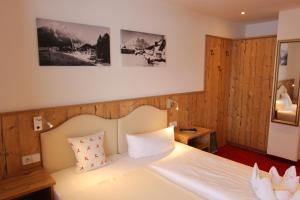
<point>249,158</point>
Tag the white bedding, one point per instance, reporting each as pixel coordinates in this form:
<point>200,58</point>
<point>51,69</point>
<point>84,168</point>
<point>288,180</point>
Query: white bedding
<point>185,171</point>
<point>139,184</point>
<point>210,176</point>
<point>69,182</point>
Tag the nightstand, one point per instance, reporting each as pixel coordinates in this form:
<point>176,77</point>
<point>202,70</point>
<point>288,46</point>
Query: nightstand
<point>36,185</point>
<point>199,139</point>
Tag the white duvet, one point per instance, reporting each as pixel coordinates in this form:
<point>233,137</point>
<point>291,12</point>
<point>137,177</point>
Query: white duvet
<point>123,178</point>
<point>207,175</point>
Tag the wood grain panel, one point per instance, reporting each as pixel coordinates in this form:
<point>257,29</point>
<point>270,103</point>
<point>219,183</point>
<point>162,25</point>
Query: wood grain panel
<point>217,84</point>
<point>2,153</point>
<point>224,91</point>
<point>250,91</point>
<point>88,109</point>
<point>73,111</point>
<point>11,138</point>
<point>212,73</point>
<point>20,139</point>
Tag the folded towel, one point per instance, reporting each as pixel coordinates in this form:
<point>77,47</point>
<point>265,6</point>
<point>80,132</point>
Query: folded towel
<point>275,187</point>
<point>289,182</point>
<point>262,187</point>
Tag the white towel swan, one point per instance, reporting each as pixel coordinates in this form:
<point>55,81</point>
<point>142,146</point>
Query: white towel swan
<point>274,187</point>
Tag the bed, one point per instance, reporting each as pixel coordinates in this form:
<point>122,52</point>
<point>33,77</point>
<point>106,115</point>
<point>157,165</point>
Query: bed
<point>183,173</point>
<point>285,109</point>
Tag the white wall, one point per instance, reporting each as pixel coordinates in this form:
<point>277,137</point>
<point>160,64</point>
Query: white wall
<point>25,85</point>
<point>260,29</point>
<point>283,140</point>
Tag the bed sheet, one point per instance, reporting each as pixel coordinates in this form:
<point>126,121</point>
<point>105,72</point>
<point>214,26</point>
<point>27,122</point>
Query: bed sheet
<point>205,174</point>
<point>69,181</point>
<point>139,184</point>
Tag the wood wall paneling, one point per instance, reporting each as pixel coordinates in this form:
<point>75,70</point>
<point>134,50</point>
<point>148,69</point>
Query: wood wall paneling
<point>2,153</point>
<point>19,139</point>
<point>11,138</point>
<point>251,91</point>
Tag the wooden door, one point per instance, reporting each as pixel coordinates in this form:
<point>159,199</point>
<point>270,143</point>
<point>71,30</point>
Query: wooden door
<point>223,91</point>
<point>251,91</point>
<point>217,83</point>
<point>212,74</point>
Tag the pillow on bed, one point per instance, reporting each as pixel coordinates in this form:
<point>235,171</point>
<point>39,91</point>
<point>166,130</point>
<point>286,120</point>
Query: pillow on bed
<point>150,144</point>
<point>89,151</point>
<point>284,104</point>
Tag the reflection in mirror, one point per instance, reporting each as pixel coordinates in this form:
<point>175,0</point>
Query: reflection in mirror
<point>286,89</point>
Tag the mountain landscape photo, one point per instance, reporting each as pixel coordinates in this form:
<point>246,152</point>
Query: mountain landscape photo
<point>71,44</point>
<point>143,49</point>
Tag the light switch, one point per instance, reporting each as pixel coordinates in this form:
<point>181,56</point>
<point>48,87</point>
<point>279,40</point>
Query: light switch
<point>38,123</point>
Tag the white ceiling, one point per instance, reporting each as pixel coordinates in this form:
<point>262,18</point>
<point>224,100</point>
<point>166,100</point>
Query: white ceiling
<point>257,10</point>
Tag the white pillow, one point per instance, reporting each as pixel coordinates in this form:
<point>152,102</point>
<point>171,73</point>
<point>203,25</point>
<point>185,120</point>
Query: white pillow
<point>284,103</point>
<point>150,144</point>
<point>89,151</point>
<point>287,98</point>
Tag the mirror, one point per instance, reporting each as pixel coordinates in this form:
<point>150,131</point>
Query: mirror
<point>285,107</point>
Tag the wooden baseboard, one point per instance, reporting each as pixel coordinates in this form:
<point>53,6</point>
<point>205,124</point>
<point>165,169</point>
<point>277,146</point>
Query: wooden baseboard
<point>247,148</point>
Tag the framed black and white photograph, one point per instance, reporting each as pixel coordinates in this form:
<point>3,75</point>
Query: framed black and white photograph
<point>143,49</point>
<point>71,44</point>
<point>283,58</point>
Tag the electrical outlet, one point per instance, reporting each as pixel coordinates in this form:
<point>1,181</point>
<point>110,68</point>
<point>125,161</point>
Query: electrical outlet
<point>26,160</point>
<point>32,158</point>
<point>174,123</point>
<point>36,157</point>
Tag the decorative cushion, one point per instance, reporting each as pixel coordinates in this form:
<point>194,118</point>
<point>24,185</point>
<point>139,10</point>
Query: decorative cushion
<point>150,144</point>
<point>89,151</point>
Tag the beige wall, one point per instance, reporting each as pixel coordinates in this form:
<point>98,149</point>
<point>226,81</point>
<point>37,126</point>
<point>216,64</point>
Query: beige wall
<point>24,85</point>
<point>284,140</point>
<point>262,28</point>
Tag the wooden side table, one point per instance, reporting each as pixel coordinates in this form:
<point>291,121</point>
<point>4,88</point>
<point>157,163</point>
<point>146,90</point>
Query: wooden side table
<point>35,185</point>
<point>199,139</point>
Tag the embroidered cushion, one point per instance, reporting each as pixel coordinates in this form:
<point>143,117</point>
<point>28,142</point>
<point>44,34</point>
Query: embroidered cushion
<point>89,151</point>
